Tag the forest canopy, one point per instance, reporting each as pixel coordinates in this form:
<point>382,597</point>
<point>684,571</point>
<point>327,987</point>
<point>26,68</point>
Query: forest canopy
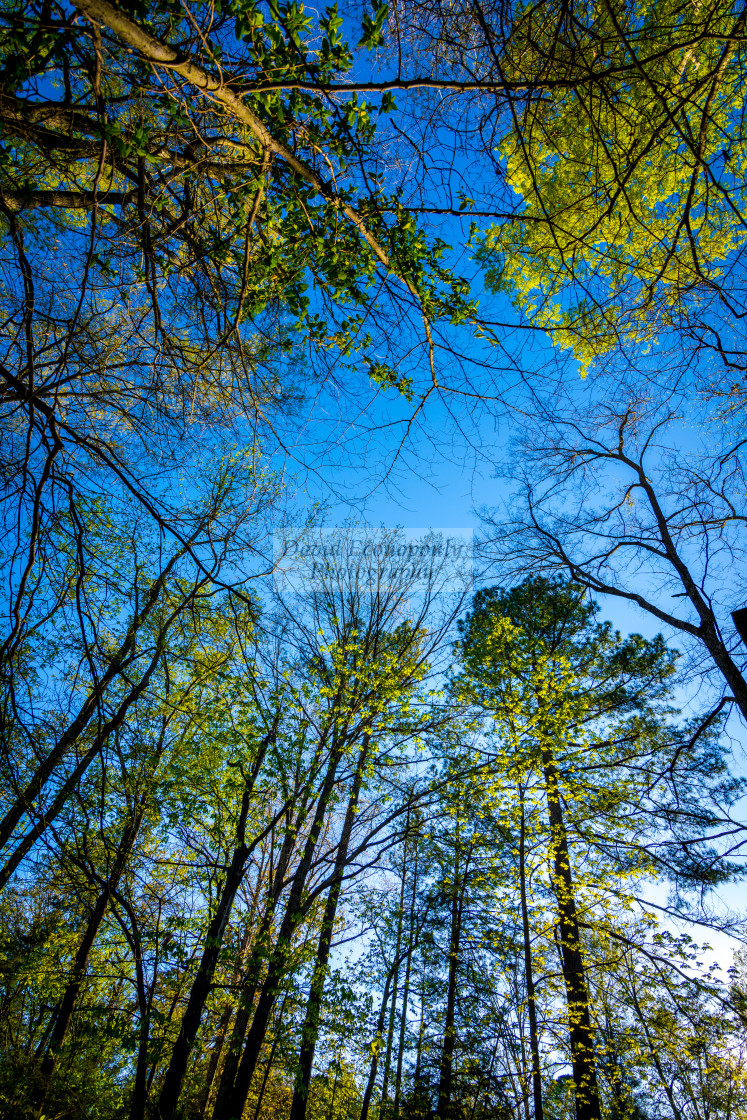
<point>302,820</point>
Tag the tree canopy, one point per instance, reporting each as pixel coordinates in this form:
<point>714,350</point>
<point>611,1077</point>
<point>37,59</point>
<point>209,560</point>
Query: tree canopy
<point>315,821</point>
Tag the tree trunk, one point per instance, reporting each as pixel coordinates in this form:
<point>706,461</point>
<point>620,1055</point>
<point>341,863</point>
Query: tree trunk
<point>528,972</point>
<point>270,1060</point>
<point>214,1060</point>
<point>574,973</point>
<point>377,1042</point>
<point>253,970</point>
<point>141,1084</point>
<point>202,986</point>
<point>417,1077</point>
<point>67,1004</point>
<point>140,1088</point>
<point>446,1072</point>
<point>406,990</point>
<point>225,1019</point>
<point>236,1100</point>
<point>725,662</point>
<point>393,1011</point>
<point>310,1030</point>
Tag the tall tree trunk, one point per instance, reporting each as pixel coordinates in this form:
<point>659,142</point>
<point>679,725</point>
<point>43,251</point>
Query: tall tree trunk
<point>528,971</point>
<point>446,1072</point>
<point>237,1039</point>
<point>70,996</point>
<point>225,1019</point>
<point>202,985</point>
<point>406,990</point>
<point>377,1042</point>
<point>214,1060</point>
<point>310,1030</point>
<point>253,971</point>
<point>140,1088</point>
<point>278,958</point>
<point>418,1075</point>
<point>393,1012</point>
<point>139,1097</point>
<point>270,1060</point>
<point>572,963</point>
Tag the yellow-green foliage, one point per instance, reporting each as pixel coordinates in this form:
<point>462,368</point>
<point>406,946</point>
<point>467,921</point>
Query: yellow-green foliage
<point>629,184</point>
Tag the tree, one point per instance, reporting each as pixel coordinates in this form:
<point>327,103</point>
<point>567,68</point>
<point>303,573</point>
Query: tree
<point>600,166</point>
<point>191,216</point>
<point>162,234</point>
<point>368,658</point>
<point>288,852</point>
<point>628,202</point>
<point>680,1042</point>
<point>585,712</point>
<point>621,500</point>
